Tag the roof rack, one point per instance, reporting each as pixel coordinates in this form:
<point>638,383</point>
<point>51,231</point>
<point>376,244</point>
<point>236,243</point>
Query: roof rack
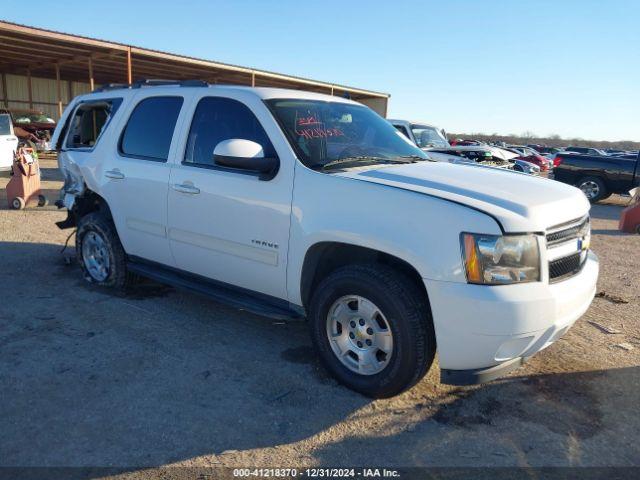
<point>151,82</point>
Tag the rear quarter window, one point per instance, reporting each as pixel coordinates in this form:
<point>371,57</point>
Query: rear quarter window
<point>89,121</point>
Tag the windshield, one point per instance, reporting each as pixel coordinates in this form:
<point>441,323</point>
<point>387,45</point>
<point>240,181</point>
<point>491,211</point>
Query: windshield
<point>32,117</point>
<point>324,134</point>
<point>427,136</point>
<point>5,124</point>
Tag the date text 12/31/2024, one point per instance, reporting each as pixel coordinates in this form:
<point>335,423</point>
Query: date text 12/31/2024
<point>315,473</point>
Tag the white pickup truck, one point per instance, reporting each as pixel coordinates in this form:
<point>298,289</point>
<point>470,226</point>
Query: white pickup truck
<point>296,204</point>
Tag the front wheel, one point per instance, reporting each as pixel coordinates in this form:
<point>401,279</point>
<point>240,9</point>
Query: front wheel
<point>99,251</point>
<point>372,329</point>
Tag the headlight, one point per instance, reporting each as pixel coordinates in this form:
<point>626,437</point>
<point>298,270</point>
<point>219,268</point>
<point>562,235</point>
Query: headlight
<point>500,259</point>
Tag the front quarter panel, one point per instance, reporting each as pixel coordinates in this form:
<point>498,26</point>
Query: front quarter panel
<point>420,229</point>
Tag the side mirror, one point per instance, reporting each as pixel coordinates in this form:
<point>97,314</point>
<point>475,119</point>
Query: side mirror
<point>245,155</point>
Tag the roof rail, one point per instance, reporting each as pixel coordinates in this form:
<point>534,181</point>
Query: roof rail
<point>151,82</point>
<point>110,86</point>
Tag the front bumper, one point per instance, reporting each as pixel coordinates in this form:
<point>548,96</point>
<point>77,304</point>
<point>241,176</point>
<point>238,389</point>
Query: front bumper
<point>482,332</point>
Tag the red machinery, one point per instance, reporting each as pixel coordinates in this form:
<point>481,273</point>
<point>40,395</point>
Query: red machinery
<point>630,217</point>
<point>24,186</point>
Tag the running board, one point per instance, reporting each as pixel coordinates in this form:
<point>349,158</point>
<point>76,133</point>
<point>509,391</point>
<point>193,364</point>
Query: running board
<point>236,297</point>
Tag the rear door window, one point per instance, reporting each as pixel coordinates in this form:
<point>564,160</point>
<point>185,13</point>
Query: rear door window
<point>89,121</point>
<point>150,128</point>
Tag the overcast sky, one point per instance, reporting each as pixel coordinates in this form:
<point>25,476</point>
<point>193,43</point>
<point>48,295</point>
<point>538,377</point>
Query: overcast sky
<point>564,67</point>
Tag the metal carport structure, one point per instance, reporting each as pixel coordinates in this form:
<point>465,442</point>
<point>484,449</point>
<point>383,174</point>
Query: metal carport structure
<point>44,69</point>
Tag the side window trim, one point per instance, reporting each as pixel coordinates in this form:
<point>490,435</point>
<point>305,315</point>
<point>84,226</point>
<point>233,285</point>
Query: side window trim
<point>215,167</point>
<point>116,102</point>
<point>126,123</point>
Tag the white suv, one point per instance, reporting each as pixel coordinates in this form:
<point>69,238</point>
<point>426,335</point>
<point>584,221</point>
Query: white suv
<point>296,204</point>
<point>8,143</point>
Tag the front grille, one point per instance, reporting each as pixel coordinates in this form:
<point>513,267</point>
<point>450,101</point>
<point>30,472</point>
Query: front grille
<point>565,267</point>
<point>559,236</point>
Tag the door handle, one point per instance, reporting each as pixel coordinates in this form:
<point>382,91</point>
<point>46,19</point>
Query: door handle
<point>185,188</point>
<point>115,174</point>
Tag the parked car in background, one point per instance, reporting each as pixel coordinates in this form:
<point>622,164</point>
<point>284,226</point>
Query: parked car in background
<point>598,176</point>
<point>461,142</point>
<point>585,150</point>
<point>296,204</point>
<point>530,155</point>
<point>615,152</point>
<point>33,127</point>
<point>421,134</point>
<point>485,155</point>
<point>8,142</point>
<point>433,141</point>
<point>548,152</point>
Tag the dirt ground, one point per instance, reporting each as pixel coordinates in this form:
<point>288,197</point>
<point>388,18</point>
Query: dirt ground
<point>164,377</point>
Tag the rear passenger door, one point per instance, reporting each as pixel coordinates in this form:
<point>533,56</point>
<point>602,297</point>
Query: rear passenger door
<point>135,176</point>
<point>225,224</point>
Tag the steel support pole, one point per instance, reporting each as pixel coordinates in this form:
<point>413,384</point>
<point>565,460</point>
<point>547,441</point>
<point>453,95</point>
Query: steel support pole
<point>5,95</point>
<point>91,82</point>
<point>59,91</point>
<point>129,67</point>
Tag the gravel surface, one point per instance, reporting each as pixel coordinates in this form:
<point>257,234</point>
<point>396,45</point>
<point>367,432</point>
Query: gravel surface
<point>163,377</point>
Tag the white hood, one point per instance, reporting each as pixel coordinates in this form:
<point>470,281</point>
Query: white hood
<point>520,202</point>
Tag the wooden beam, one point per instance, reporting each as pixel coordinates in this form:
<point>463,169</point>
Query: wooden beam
<point>39,44</point>
<point>58,91</point>
<point>32,32</point>
<point>129,67</point>
<point>67,60</point>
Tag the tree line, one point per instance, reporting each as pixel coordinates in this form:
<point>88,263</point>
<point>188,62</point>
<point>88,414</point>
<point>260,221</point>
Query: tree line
<point>550,141</point>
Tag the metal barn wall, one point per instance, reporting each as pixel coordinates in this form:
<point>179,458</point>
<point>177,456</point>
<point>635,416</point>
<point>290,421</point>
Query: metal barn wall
<point>44,96</point>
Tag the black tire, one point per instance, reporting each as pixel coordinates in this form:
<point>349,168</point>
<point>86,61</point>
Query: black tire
<point>602,192</point>
<point>42,201</point>
<point>18,203</point>
<point>408,314</point>
<point>102,225</point>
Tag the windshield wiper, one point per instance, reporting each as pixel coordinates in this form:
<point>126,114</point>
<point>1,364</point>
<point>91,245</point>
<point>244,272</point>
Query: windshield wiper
<point>365,158</point>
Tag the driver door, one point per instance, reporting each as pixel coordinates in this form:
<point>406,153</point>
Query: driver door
<point>224,224</point>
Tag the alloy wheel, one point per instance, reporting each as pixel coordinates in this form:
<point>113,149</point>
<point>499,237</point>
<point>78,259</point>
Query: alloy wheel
<point>95,256</point>
<point>359,335</point>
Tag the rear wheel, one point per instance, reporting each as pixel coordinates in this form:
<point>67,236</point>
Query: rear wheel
<point>593,188</point>
<point>99,251</point>
<point>372,329</point>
